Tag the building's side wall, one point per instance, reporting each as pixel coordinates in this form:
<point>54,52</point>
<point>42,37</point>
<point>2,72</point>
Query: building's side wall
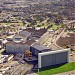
<point>53,58</point>
<point>34,51</point>
<point>10,48</point>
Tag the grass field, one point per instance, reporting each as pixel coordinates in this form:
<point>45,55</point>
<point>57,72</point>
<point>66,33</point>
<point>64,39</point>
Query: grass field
<point>8,24</point>
<point>60,69</point>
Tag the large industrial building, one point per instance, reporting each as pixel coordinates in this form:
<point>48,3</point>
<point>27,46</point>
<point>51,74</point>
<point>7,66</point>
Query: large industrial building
<point>35,52</point>
<point>52,58</point>
<point>40,55</point>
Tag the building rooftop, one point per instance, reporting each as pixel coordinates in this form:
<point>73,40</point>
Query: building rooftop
<point>26,33</point>
<point>29,43</point>
<point>22,35</point>
<point>36,33</point>
<point>40,47</point>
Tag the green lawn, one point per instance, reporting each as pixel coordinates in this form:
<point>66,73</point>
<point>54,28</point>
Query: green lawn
<point>64,68</point>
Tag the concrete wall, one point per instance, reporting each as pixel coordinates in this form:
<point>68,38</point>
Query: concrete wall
<point>53,58</point>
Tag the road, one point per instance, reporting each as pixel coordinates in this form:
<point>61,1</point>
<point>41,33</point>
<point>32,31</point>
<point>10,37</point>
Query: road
<point>68,21</point>
<point>51,42</point>
<point>56,38</point>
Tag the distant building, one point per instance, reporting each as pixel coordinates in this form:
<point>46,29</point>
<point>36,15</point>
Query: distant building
<point>19,38</point>
<point>36,34</point>
<point>22,36</point>
<point>26,33</point>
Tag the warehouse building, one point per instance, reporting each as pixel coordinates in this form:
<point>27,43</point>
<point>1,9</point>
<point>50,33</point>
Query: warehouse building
<point>36,49</point>
<point>43,56</point>
<point>26,33</point>
<point>22,36</point>
<point>52,58</point>
<point>20,47</point>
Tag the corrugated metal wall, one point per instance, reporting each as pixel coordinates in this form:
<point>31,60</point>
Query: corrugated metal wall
<point>16,48</point>
<point>34,51</point>
<point>54,59</point>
